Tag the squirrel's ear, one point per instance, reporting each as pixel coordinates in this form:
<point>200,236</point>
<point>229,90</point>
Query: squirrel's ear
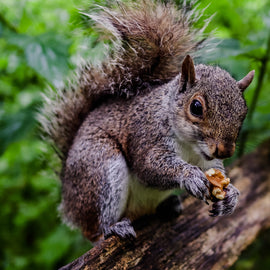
<point>246,81</point>
<point>188,71</point>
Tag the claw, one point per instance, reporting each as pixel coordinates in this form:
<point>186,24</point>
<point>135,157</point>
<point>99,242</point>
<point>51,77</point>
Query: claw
<point>213,213</point>
<point>205,200</point>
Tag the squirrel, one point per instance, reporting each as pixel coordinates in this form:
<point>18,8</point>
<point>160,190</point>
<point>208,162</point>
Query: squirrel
<point>145,122</point>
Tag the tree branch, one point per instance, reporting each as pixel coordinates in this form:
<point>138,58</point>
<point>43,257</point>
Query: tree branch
<point>194,240</point>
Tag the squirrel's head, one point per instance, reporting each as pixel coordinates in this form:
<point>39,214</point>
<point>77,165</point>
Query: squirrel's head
<point>210,109</point>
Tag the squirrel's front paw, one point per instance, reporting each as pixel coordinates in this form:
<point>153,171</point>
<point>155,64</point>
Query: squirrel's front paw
<point>226,206</point>
<point>196,183</point>
<point>122,229</point>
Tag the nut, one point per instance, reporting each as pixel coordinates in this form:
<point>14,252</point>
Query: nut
<point>218,182</point>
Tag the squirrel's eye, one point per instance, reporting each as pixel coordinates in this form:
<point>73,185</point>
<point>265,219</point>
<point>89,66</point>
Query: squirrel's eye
<point>196,108</point>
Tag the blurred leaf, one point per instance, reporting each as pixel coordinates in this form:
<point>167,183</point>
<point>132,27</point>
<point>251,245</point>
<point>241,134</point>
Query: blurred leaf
<point>47,54</point>
<point>15,126</point>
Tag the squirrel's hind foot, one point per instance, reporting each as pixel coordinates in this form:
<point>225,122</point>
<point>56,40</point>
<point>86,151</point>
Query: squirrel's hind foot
<point>170,208</point>
<point>123,229</point>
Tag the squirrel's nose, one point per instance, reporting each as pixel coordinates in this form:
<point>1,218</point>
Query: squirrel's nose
<point>224,150</point>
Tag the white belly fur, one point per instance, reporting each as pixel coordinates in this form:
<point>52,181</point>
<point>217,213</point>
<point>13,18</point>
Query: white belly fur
<point>143,200</point>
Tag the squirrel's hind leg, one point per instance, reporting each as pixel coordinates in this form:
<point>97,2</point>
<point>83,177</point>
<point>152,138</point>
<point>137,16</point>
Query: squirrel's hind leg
<point>95,187</point>
<point>116,196</point>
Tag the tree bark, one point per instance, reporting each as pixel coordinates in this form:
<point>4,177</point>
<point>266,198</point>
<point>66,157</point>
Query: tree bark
<point>194,240</point>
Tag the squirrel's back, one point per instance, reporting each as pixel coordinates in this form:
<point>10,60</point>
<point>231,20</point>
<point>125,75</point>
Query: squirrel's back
<point>150,42</point>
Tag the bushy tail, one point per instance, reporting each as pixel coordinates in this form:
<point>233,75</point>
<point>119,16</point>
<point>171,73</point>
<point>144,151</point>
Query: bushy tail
<point>150,41</point>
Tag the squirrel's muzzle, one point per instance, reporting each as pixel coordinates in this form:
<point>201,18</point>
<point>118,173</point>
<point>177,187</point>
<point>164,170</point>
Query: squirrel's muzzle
<point>223,150</point>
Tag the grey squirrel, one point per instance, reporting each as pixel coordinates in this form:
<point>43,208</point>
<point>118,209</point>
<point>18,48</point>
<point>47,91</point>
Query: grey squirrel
<point>143,123</point>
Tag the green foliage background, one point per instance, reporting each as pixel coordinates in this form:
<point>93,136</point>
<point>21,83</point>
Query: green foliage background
<point>40,44</point>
